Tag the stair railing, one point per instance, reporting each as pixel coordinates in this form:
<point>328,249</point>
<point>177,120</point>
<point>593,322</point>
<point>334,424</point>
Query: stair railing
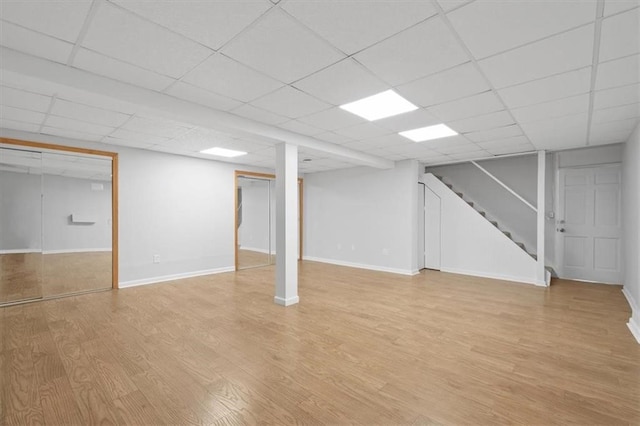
<point>505,186</point>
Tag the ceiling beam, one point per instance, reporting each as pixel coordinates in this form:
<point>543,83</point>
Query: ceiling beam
<point>170,107</point>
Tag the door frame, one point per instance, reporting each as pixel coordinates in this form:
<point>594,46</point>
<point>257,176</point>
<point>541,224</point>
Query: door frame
<point>114,189</point>
<point>243,173</point>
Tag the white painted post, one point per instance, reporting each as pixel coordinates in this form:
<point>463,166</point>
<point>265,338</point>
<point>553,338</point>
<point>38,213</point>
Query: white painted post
<point>540,267</point>
<point>286,225</point>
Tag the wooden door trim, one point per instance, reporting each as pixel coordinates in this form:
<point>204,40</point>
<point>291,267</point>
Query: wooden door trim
<point>242,173</point>
<point>114,190</point>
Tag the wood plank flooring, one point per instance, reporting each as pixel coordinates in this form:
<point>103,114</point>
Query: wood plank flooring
<point>362,347</point>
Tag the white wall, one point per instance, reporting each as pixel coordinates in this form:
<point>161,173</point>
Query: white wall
<point>179,208</point>
<point>363,217</point>
<point>631,227</point>
<point>20,212</point>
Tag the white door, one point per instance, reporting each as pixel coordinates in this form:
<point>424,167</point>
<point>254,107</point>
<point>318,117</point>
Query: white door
<point>588,224</point>
<point>431,230</point>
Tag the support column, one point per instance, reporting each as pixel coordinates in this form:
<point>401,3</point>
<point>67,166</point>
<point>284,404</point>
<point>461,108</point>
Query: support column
<point>286,225</point>
<point>540,267</point>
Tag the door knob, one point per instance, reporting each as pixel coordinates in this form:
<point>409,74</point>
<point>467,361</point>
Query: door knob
<point>561,230</point>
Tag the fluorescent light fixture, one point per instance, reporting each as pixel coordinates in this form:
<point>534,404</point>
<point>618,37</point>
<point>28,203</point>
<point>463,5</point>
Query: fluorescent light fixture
<point>382,105</point>
<point>223,152</point>
<point>427,133</point>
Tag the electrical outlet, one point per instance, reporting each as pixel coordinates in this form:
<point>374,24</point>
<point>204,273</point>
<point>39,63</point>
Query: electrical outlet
<point>156,258</point>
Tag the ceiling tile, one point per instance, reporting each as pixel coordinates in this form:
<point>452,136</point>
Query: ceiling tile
<point>139,138</point>
<point>383,142</point>
<point>547,89</point>
<point>17,114</point>
<point>290,102</point>
<point>353,25</point>
<point>455,83</point>
<point>211,23</point>
<point>620,35</point>
<point>506,142</point>
<point>71,134</point>
<point>301,128</point>
<point>198,139</point>
<point>24,100</point>
<point>157,127</point>
<point>447,5</point>
<point>332,119</point>
<point>619,72</point>
<point>200,96</point>
<point>612,132</point>
<point>482,122</point>
<point>615,6</point>
<point>18,125</point>
<point>512,149</point>
<point>88,114</point>
<point>623,112</point>
<point>341,83</point>
<point>558,133</point>
<point>282,48</point>
<point>77,126</point>
<point>363,131</point>
<point>334,138</point>
<point>458,149</point>
<point>124,36</point>
<point>467,107</point>
<point>118,70</point>
<point>469,156</point>
<point>259,114</point>
<point>408,121</point>
<point>554,55</point>
<point>446,143</point>
<point>60,19</point>
<point>33,43</point>
<point>130,143</point>
<point>547,110</point>
<point>490,27</point>
<point>616,96</point>
<point>494,134</point>
<point>424,49</point>
<point>227,77</point>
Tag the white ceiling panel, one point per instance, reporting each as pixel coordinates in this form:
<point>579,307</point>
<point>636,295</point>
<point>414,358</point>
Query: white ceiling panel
<point>554,55</point>
<point>332,119</point>
<point>613,130</point>
<point>33,43</point>
<point>259,114</point>
<point>211,23</point>
<point>341,83</point>
<point>17,114</point>
<point>468,149</point>
<point>624,112</point>
<point>24,100</point>
<point>615,6</point>
<point>448,5</point>
<point>87,113</point>
<point>140,138</point>
<point>130,143</point>
<point>157,127</point>
<point>71,134</point>
<point>548,89</point>
<point>467,156</point>
<point>198,139</point>
<point>282,48</point>
<point>18,125</point>
<point>363,131</point>
<point>446,143</point>
<point>619,72</point>
<point>334,138</point>
<point>482,103</point>
<point>353,25</point>
<point>490,27</point>
<point>408,121</point>
<point>494,134</point>
<point>482,122</point>
<point>455,83</point>
<point>77,126</point>
<point>124,36</point>
<point>512,149</point>
<point>616,96</point>
<point>227,77</point>
<point>558,133</point>
<point>384,142</point>
<point>553,109</point>
<point>290,102</point>
<point>505,143</point>
<point>620,35</point>
<point>60,19</point>
<point>200,96</point>
<point>118,70</point>
<point>424,49</point>
<point>301,128</point>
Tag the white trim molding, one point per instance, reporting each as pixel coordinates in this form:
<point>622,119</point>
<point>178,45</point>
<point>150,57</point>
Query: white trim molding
<point>362,266</point>
<point>86,250</point>
<point>634,321</point>
<point>173,277</point>
<point>519,280</point>
<point>286,302</point>
<point>21,251</point>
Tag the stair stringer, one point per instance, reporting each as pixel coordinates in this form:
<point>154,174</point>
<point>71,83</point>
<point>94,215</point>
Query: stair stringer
<point>471,245</point>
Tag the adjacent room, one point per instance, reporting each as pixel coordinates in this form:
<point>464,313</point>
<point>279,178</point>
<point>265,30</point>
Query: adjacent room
<point>384,212</point>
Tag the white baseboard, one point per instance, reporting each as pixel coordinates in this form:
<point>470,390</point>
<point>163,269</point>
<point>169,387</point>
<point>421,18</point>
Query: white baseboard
<point>362,266</point>
<point>286,302</point>
<point>634,321</point>
<point>259,250</point>
<point>86,250</point>
<point>164,278</point>
<point>525,280</point>
<point>20,251</point>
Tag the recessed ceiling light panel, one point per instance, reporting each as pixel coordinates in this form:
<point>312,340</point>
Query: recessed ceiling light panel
<point>223,152</point>
<point>428,133</point>
<point>382,105</point>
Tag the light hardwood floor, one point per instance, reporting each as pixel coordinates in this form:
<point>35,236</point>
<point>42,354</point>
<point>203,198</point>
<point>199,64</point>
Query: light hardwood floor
<point>361,348</point>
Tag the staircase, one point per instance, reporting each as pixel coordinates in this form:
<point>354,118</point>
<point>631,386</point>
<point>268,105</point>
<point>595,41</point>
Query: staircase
<point>493,222</point>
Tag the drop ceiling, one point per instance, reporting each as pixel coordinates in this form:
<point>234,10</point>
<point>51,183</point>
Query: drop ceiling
<point>510,77</point>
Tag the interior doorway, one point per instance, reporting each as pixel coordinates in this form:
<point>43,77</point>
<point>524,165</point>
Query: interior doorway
<point>588,224</point>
